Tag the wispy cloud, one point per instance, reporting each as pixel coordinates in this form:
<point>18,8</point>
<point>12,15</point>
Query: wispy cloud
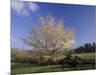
<point>73,41</point>
<point>33,6</point>
<point>24,8</point>
<point>16,42</point>
<point>13,41</point>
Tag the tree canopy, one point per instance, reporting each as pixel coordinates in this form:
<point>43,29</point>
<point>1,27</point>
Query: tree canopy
<point>50,36</point>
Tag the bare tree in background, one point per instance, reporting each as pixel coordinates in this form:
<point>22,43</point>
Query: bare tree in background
<point>50,36</point>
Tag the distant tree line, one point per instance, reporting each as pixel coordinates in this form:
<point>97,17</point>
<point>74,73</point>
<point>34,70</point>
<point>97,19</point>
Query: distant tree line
<point>87,47</point>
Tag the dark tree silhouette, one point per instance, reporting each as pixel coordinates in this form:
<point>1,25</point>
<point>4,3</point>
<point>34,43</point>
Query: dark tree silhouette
<point>87,47</point>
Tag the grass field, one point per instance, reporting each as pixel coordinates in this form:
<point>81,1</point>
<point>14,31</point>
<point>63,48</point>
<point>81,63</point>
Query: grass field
<point>22,68</point>
<point>82,55</point>
<point>87,55</point>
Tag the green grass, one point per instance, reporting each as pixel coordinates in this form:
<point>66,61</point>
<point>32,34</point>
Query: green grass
<point>25,69</point>
<point>29,68</point>
<point>22,68</point>
<point>91,55</point>
<point>86,55</point>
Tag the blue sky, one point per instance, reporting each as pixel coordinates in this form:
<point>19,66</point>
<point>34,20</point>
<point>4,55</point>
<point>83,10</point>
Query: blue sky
<point>82,18</point>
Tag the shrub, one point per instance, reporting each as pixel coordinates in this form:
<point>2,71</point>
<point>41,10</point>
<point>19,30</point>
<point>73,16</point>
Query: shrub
<point>69,60</point>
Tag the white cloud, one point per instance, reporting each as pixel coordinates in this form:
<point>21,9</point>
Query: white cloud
<point>33,6</point>
<point>16,42</point>
<point>72,41</point>
<point>22,8</point>
<point>13,39</point>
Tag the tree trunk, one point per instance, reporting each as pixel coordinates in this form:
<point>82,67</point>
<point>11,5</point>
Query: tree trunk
<point>56,56</point>
<point>52,56</point>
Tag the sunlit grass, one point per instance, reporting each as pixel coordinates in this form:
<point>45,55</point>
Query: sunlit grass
<point>86,55</point>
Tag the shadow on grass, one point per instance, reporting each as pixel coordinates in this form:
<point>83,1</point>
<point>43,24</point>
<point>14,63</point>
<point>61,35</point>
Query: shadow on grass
<point>30,68</point>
